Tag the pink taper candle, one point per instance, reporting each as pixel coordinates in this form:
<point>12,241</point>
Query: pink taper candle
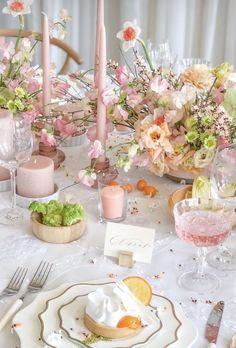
<point>101,108</point>
<point>100,22</point>
<point>46,66</point>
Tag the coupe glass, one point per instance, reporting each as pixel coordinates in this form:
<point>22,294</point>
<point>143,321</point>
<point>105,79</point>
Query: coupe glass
<point>203,223</point>
<point>223,185</point>
<point>15,149</point>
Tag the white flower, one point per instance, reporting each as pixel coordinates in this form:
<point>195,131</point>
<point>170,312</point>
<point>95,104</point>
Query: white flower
<point>17,7</point>
<point>133,150</point>
<point>203,157</point>
<point>87,177</point>
<point>129,34</point>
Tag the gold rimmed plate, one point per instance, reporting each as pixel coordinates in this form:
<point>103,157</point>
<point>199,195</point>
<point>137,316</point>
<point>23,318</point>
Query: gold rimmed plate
<point>33,332</point>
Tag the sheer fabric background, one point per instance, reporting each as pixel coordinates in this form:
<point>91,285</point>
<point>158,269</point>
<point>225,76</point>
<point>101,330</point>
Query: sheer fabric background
<point>194,28</point>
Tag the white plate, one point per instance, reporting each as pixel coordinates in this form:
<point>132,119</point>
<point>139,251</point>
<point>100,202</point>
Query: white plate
<point>27,324</point>
<point>71,322</point>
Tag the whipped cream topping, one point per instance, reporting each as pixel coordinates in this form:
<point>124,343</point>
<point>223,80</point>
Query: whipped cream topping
<point>107,305</point>
<point>55,339</point>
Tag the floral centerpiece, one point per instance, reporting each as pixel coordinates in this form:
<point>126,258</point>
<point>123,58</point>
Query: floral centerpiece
<point>178,120</point>
<point>21,83</point>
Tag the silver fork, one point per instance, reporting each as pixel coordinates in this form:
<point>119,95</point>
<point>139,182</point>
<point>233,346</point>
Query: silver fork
<point>15,283</point>
<point>35,285</point>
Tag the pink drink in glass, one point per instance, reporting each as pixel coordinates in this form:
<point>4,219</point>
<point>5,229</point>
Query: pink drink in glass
<point>203,228</point>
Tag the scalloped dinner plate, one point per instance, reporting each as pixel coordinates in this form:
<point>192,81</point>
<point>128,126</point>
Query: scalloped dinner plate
<point>175,330</point>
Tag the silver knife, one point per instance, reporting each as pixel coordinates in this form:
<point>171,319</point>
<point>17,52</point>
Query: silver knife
<point>213,324</point>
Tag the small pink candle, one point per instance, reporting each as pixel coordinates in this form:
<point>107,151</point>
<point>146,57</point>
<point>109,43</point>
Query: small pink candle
<point>46,66</point>
<point>100,22</point>
<point>112,198</point>
<point>35,178</point>
<point>101,108</point>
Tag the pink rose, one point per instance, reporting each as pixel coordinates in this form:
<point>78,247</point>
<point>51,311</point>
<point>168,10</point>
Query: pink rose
<point>121,74</point>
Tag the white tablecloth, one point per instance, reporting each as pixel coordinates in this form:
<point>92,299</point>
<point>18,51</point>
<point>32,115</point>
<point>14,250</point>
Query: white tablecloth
<point>83,259</point>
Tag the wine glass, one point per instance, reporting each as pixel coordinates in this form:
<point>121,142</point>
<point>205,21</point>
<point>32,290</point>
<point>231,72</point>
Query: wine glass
<point>15,149</point>
<point>161,55</point>
<point>203,223</point>
<point>223,185</point>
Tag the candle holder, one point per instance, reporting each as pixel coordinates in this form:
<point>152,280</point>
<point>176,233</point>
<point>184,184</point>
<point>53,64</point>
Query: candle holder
<point>57,155</point>
<point>112,204</point>
<point>104,171</point>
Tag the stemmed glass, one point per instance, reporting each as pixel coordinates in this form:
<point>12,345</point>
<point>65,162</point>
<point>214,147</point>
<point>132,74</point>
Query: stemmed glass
<point>223,185</point>
<point>161,55</point>
<point>15,149</point>
<point>203,223</point>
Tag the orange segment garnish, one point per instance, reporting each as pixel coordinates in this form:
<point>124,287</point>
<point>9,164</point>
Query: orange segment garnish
<point>140,288</point>
<point>130,322</point>
<point>141,184</point>
<point>150,191</point>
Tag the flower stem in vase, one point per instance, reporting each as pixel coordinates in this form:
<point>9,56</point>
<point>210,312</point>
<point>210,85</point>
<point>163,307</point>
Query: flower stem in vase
<point>57,155</point>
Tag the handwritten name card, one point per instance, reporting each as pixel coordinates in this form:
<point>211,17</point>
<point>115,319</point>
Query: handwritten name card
<point>138,240</point>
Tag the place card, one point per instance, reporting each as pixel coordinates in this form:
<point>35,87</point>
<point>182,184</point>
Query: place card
<point>135,239</point>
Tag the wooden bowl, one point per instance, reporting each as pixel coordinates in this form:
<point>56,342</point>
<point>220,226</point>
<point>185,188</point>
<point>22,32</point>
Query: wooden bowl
<point>57,235</point>
<point>107,331</point>
<point>178,196</point>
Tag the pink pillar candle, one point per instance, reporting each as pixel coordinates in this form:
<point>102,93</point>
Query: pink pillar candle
<point>35,178</point>
<point>46,66</point>
<point>4,174</point>
<point>101,108</point>
<point>113,199</point>
<point>100,22</point>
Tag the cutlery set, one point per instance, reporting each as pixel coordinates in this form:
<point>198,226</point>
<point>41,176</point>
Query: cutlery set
<point>36,284</point>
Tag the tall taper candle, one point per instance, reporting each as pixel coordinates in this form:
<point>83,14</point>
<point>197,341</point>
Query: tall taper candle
<point>100,22</point>
<point>46,65</point>
<point>101,108</point>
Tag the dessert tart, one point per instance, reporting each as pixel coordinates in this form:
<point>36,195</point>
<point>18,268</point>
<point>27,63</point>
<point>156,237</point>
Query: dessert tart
<point>113,312</point>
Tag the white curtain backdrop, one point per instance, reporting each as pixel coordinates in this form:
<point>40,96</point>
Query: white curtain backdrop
<point>194,28</point>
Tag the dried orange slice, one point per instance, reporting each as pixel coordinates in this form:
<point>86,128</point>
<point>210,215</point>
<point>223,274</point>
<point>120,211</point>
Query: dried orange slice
<point>130,322</point>
<point>140,288</point>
